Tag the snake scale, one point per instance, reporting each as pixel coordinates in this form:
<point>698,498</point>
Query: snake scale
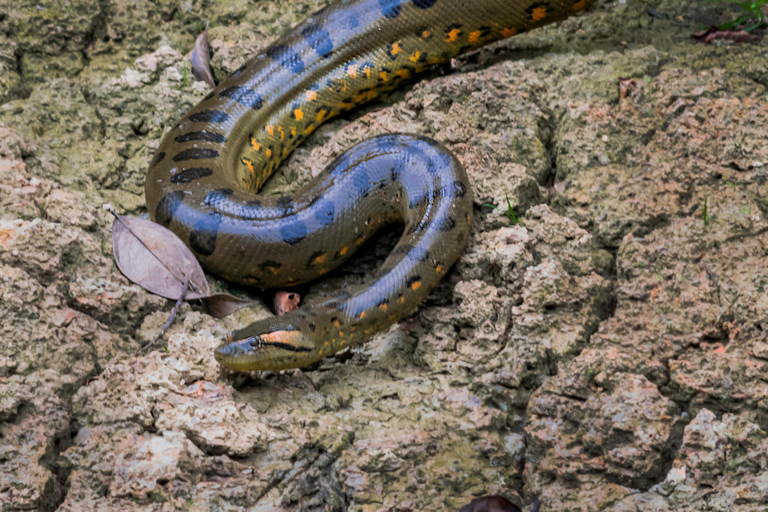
<point>203,181</point>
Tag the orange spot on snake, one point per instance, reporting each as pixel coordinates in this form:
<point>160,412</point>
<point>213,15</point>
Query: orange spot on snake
<point>383,307</point>
<point>319,259</point>
<point>539,13</point>
<point>343,251</point>
<point>401,300</point>
<point>311,95</point>
<point>474,36</point>
<point>416,285</point>
<point>508,32</point>
<point>256,145</point>
<point>362,315</point>
<point>383,75</point>
<point>270,129</point>
<point>352,70</point>
<point>453,35</point>
<point>415,56</point>
<point>438,268</point>
<point>298,114</point>
<point>269,153</point>
<point>248,164</point>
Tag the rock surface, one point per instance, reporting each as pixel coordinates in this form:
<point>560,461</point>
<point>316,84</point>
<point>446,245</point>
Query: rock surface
<point>608,352</point>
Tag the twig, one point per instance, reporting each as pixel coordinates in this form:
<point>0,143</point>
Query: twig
<point>171,318</point>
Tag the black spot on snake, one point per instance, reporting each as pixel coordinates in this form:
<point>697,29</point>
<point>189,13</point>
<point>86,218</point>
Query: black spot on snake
<point>166,208</point>
<point>209,116</point>
<point>447,223</point>
<point>361,181</point>
<point>390,8</point>
<point>459,189</point>
<point>196,154</point>
<point>419,202</point>
<point>202,135</point>
<point>424,4</point>
<point>324,213</point>
<point>285,57</point>
<point>202,240</point>
<point>244,96</point>
<point>284,203</point>
<point>293,232</point>
<point>285,346</point>
<point>319,39</point>
<point>190,175</point>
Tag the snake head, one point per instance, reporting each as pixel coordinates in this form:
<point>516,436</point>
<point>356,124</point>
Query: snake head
<point>266,345</point>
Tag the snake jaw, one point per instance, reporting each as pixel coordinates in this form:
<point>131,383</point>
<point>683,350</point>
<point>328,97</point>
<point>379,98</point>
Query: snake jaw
<point>271,350</point>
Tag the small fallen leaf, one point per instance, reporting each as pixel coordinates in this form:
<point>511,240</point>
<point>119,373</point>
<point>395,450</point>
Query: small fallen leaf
<point>157,260</point>
<point>220,305</point>
<point>285,302</point>
<point>490,504</point>
<point>713,33</point>
<point>201,60</point>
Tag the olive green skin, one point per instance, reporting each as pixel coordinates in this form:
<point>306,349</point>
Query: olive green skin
<point>203,180</point>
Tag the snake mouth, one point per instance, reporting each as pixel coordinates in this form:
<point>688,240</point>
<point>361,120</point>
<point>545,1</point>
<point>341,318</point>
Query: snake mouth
<point>283,348</point>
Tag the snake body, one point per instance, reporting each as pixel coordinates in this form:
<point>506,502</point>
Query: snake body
<point>202,182</point>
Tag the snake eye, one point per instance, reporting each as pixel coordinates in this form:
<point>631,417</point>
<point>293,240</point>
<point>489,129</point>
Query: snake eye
<point>253,341</point>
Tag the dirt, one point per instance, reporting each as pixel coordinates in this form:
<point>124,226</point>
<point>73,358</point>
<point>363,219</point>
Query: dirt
<point>608,352</point>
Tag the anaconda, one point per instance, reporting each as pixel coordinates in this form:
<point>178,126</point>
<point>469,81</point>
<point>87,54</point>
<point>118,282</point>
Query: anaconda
<point>203,180</point>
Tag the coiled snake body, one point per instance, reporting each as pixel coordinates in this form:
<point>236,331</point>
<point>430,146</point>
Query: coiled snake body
<point>203,180</point>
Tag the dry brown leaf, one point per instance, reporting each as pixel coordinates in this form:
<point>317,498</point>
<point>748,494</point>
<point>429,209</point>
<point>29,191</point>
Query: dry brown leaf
<point>285,302</point>
<point>201,60</point>
<point>220,305</point>
<point>493,504</point>
<point>156,259</point>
